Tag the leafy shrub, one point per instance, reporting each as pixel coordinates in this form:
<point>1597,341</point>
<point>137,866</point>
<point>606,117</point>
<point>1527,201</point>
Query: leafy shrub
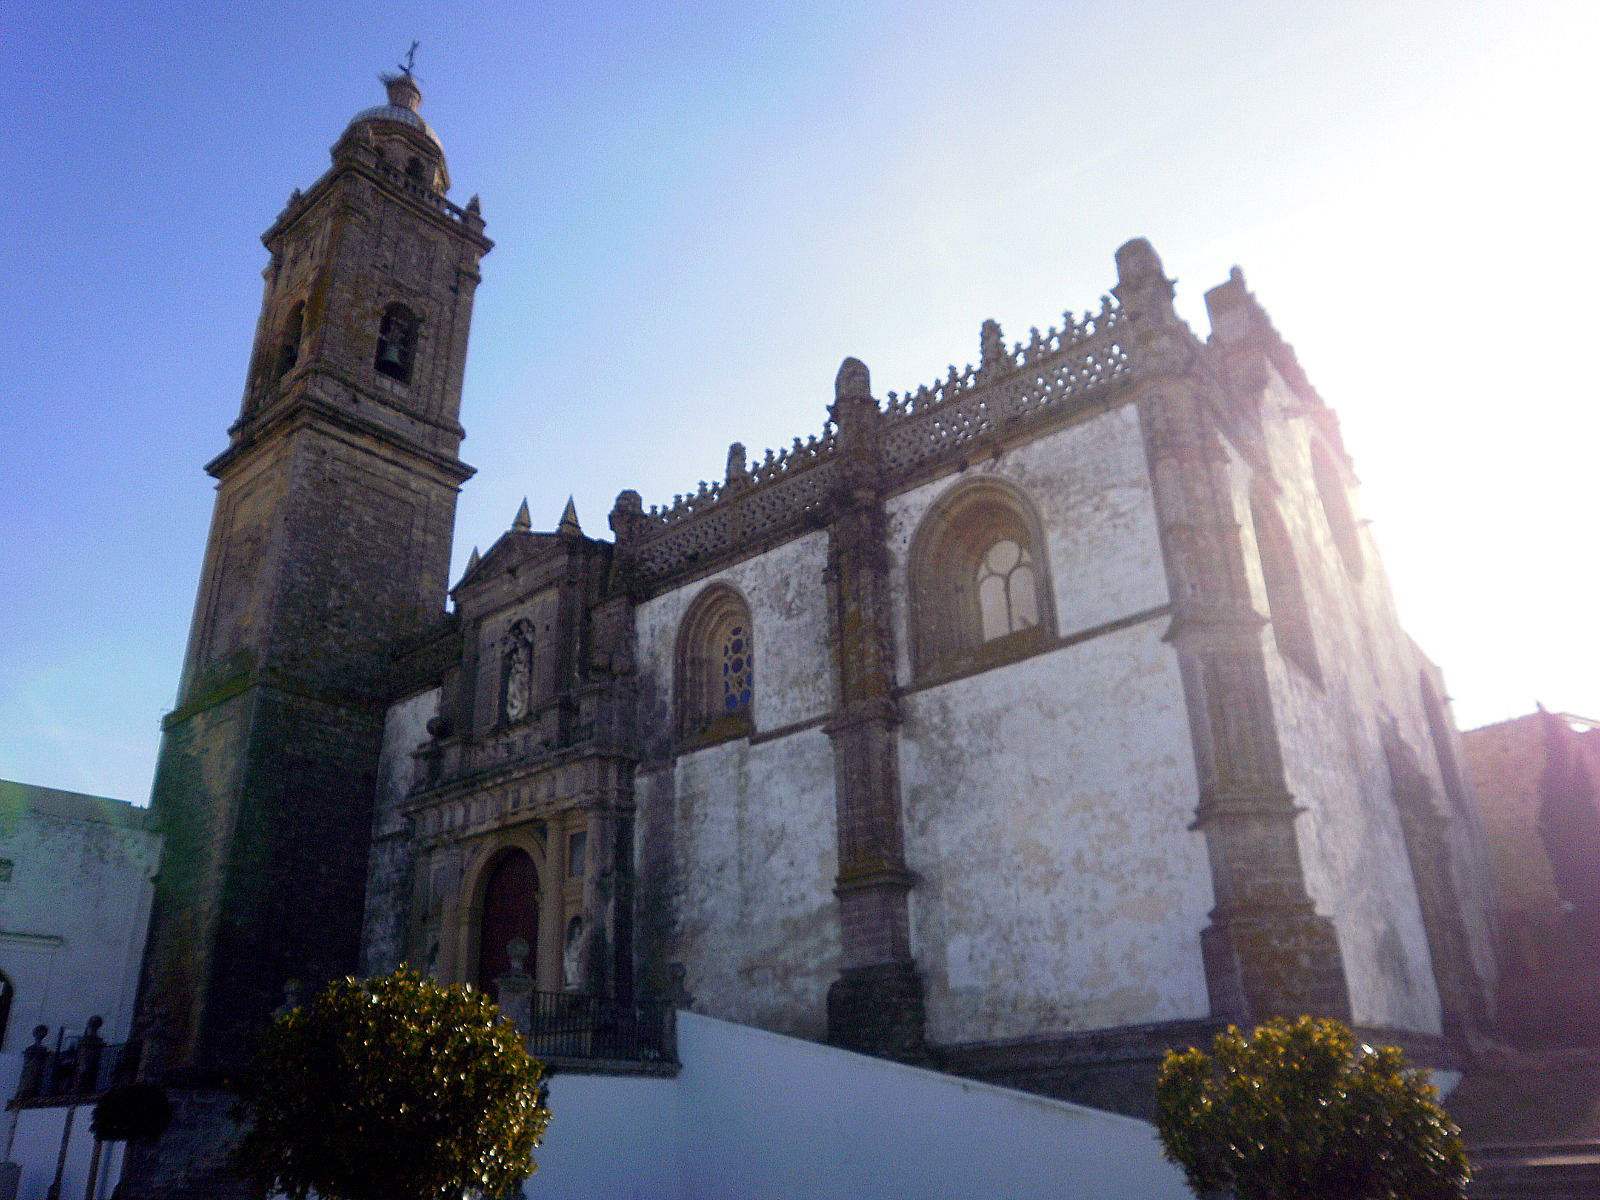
<point>1297,1110</point>
<point>393,1088</point>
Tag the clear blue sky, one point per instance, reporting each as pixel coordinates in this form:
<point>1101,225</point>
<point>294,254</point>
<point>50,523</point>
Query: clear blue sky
<point>701,208</point>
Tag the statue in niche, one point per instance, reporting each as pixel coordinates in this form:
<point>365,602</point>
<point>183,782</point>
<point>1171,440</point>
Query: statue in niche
<point>519,675</point>
<point>572,955</point>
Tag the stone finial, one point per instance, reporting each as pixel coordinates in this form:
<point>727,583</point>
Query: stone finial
<point>1137,263</point>
<point>853,382</point>
<point>523,523</point>
<point>737,470</point>
<point>627,516</point>
<point>472,560</point>
<point>473,205</point>
<point>569,520</point>
<point>992,346</point>
<point>1158,338</point>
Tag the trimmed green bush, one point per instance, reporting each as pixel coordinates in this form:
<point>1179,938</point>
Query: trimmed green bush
<point>1297,1110</point>
<point>393,1088</point>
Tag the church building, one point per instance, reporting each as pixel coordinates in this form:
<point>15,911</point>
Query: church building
<point>1022,725</point>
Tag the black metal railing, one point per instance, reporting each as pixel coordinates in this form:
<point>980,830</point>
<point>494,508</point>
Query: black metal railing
<point>572,1025</point>
<point>81,1065</point>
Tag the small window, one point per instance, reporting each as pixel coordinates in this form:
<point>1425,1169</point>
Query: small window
<point>416,170</point>
<point>289,343</point>
<point>716,667</point>
<point>397,343</point>
<point>979,592</point>
<point>1286,598</point>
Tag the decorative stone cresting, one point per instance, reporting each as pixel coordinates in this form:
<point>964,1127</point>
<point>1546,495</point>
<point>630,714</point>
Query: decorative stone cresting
<point>1048,374</point>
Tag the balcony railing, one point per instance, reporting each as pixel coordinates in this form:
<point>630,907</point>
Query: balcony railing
<point>569,1025</point>
<point>77,1067</point>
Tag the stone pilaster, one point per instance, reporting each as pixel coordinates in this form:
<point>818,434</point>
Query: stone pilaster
<point>1266,950</point>
<point>876,1004</point>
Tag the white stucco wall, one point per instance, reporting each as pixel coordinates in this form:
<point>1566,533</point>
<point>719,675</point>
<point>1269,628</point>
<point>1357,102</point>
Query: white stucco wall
<point>754,859</point>
<point>1351,844</point>
<point>744,846</point>
<point>1047,819</point>
<point>73,915</point>
<point>757,1116</point>
<point>1047,802</point>
<point>35,1139</point>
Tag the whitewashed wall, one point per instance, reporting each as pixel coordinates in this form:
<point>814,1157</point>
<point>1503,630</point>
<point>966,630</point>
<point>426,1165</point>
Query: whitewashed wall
<point>1048,802</point>
<point>737,840</point>
<point>73,915</point>
<point>757,1116</point>
<point>36,1147</point>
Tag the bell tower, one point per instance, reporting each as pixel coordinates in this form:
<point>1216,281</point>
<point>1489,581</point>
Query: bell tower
<point>330,541</point>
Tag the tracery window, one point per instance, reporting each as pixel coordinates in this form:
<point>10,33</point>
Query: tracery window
<point>397,343</point>
<point>979,584</point>
<point>1286,599</point>
<point>516,687</point>
<point>716,666</point>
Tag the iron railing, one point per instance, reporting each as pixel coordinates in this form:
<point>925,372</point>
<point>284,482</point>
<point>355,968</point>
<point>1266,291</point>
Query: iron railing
<point>573,1025</point>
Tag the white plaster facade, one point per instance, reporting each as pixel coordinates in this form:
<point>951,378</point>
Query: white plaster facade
<point>74,904</point>
<point>76,877</point>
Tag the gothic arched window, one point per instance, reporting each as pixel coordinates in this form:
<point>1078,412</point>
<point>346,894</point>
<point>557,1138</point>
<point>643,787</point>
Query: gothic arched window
<point>1335,499</point>
<point>397,343</point>
<point>289,342</point>
<point>980,590</point>
<point>510,911</point>
<point>716,667</point>
<point>1443,739</point>
<point>516,686</point>
<point>1286,598</point>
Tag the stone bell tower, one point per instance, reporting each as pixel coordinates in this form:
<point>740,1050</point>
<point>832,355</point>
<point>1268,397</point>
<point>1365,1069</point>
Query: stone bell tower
<point>330,541</point>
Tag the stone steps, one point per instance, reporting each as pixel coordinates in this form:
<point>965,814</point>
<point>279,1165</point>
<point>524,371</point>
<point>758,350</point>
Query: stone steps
<point>1536,1171</point>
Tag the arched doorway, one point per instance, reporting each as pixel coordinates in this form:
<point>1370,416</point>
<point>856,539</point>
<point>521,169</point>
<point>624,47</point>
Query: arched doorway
<point>510,910</point>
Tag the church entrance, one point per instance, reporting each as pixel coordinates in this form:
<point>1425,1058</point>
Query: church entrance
<point>510,910</point>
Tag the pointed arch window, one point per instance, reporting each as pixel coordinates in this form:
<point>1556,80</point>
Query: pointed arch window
<point>716,667</point>
<point>1442,734</point>
<point>1286,598</point>
<point>1335,498</point>
<point>289,341</point>
<point>979,583</point>
<point>516,687</point>
<point>397,343</point>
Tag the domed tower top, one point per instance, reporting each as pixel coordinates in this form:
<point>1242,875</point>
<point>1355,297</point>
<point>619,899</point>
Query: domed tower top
<point>403,139</point>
